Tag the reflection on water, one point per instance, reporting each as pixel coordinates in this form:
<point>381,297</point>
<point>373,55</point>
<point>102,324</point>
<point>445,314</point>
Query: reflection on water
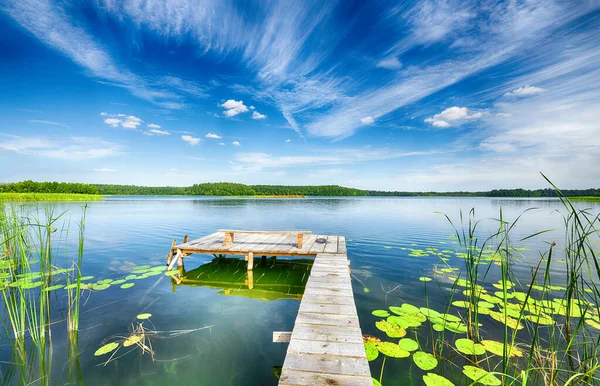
<point>271,279</point>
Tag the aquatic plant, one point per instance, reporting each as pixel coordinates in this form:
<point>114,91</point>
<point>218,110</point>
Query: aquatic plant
<point>550,332</point>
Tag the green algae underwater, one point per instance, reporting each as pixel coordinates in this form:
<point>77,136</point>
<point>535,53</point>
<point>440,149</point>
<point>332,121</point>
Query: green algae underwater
<point>90,302</point>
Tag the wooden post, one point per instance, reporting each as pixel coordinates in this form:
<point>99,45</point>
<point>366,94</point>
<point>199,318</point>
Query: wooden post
<point>170,254</point>
<point>179,258</point>
<point>228,238</point>
<point>185,239</point>
<point>250,261</point>
<point>300,239</point>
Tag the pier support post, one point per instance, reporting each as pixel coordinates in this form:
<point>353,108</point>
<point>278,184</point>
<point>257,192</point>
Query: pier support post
<point>170,254</point>
<point>179,258</point>
<point>300,240</point>
<point>250,257</point>
<point>185,239</point>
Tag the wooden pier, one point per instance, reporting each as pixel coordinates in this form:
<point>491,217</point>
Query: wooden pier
<point>326,345</point>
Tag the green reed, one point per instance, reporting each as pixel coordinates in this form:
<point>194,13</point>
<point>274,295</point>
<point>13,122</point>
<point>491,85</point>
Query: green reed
<point>29,246</point>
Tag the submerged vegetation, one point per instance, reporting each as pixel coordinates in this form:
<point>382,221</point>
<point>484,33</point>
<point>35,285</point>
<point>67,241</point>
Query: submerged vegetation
<point>549,327</point>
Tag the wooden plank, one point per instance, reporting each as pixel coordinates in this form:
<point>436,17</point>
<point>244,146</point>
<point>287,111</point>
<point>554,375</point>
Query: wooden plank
<point>329,291</point>
<point>319,248</point>
<point>324,308</point>
<point>327,333</point>
<point>327,299</point>
<point>342,244</point>
<point>327,364</point>
<point>274,244</point>
<point>327,320</point>
<point>332,244</point>
<point>264,232</point>
<point>327,348</point>
<point>301,378</point>
<point>281,336</point>
<point>253,242</point>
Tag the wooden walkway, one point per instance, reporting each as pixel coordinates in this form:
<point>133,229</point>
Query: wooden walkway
<point>326,345</point>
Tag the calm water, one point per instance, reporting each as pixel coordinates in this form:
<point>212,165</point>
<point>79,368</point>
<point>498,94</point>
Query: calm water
<point>237,348</point>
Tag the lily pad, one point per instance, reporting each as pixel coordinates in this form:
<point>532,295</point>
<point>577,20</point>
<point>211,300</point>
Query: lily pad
<point>392,350</point>
<point>381,313</point>
<point>144,316</point>
<point>391,330</point>
<point>467,346</point>
<point>387,247</point>
<point>375,382</point>
<point>133,339</point>
<point>593,323</point>
<point>432,379</point>
<point>425,361</point>
<point>371,350</point>
<point>540,319</point>
<point>425,278</point>
<point>408,344</point>
<point>171,273</point>
<point>430,313</point>
<point>438,327</point>
<point>497,348</point>
<point>86,278</point>
<point>106,349</point>
<point>100,287</point>
<point>481,376</point>
<point>54,287</point>
<point>127,285</point>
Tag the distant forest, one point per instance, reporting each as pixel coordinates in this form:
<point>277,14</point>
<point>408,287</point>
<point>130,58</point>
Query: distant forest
<point>233,189</point>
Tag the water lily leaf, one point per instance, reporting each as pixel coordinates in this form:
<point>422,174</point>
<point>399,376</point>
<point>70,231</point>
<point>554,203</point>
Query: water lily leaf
<point>100,287</point>
<point>430,313</point>
<point>392,350</point>
<point>375,382</point>
<point>144,316</point>
<point>152,273</point>
<point>31,284</point>
<point>387,247</point>
<point>432,379</point>
<point>127,285</point>
<point>481,376</point>
<point>510,322</point>
<point>425,361</point>
<point>461,303</point>
<point>500,295</point>
<point>86,278</point>
<point>105,281</point>
<point>408,344</point>
<point>540,319</point>
<point>391,330</point>
<point>467,346</point>
<point>117,282</point>
<point>593,323</point>
<point>366,290</point>
<point>425,278</point>
<point>497,348</point>
<point>371,350</point>
<point>404,309</point>
<point>381,313</point>
<point>438,327</point>
<point>133,339</point>
<point>405,321</point>
<point>450,318</point>
<point>131,277</point>
<point>106,349</point>
<point>54,287</point>
<point>171,273</point>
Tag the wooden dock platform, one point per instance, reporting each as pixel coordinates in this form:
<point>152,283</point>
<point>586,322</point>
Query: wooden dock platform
<point>326,345</point>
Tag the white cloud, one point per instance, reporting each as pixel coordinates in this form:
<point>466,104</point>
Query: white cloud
<point>221,143</point>
<point>257,115</point>
<point>367,120</point>
<point>391,63</point>
<point>158,132</point>
<point>214,136</point>
<point>452,116</point>
<point>252,107</point>
<point>235,143</point>
<point>73,148</point>
<point>233,108</point>
<point>104,114</point>
<point>43,122</point>
<point>127,122</point>
<point>153,126</point>
<point>105,170</point>
<point>525,91</point>
<point>288,140</point>
<point>191,140</point>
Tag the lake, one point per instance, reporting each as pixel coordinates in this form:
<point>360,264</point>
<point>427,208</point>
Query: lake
<point>220,334</point>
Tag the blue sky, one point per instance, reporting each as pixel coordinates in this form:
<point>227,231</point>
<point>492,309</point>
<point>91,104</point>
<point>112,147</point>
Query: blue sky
<point>428,95</point>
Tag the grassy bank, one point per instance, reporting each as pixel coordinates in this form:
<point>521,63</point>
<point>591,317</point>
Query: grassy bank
<point>49,197</point>
<point>586,198</point>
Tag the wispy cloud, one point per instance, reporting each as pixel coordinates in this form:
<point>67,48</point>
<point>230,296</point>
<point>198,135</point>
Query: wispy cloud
<point>157,132</point>
<point>213,136</point>
<point>125,121</point>
<point>525,91</point>
<point>390,63</point>
<point>235,143</point>
<point>43,122</point>
<point>105,170</point>
<point>74,148</point>
<point>153,126</point>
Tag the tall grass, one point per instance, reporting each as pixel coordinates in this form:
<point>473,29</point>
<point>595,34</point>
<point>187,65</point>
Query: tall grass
<point>565,351</point>
<point>29,247</point>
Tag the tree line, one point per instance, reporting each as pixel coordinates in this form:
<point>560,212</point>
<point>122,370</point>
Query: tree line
<point>235,189</point>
